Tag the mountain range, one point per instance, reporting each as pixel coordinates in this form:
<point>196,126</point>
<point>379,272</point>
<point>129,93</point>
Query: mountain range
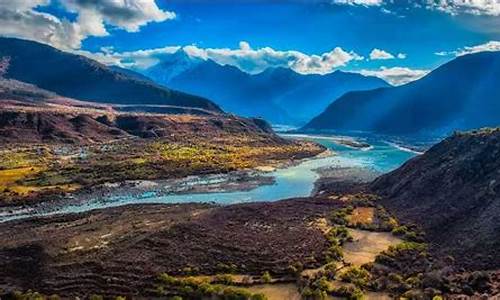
<point>79,77</point>
<point>461,94</point>
<point>278,95</point>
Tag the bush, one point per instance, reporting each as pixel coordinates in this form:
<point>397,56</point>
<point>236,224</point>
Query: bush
<point>349,292</point>
<point>266,277</point>
<point>224,279</point>
<point>358,276</point>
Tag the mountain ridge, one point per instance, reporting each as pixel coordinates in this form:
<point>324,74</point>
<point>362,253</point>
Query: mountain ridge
<point>444,100</point>
<point>82,78</point>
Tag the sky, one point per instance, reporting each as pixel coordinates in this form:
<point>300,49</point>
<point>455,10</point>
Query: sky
<point>397,40</point>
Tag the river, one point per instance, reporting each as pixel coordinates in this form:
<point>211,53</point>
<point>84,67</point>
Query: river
<point>294,181</point>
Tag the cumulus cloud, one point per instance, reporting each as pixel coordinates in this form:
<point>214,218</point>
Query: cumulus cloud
<point>245,58</point>
<point>378,54</point>
<point>360,2</point>
<point>128,15</point>
<point>396,75</point>
<point>476,7</point>
<point>23,19</point>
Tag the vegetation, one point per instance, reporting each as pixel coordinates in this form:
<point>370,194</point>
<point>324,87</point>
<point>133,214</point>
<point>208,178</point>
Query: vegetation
<point>348,292</point>
<point>266,277</point>
<point>194,288</point>
<point>339,216</point>
<point>336,237</point>
<point>357,276</point>
<point>29,295</point>
<point>27,174</point>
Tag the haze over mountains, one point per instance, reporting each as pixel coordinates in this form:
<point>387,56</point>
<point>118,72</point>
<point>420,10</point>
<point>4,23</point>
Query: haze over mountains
<point>461,94</point>
<point>278,95</point>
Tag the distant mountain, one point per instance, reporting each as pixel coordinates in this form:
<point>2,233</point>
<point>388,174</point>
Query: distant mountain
<point>79,77</point>
<point>461,94</point>
<point>279,95</point>
<point>453,192</point>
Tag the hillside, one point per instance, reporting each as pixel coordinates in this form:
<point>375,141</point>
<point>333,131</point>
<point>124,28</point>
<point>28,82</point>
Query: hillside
<point>81,78</point>
<point>278,95</point>
<point>453,192</point>
<point>461,94</point>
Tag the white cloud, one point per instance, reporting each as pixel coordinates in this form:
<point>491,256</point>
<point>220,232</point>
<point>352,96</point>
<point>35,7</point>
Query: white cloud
<point>245,58</point>
<point>442,53</point>
<point>380,54</point>
<point>20,18</point>
<point>489,46</point>
<point>476,7</point>
<point>128,15</point>
<point>360,2</point>
<point>396,75</point>
<point>140,59</point>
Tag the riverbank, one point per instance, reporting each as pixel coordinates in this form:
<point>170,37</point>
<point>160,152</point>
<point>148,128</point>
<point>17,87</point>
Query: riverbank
<point>31,174</point>
<point>334,167</point>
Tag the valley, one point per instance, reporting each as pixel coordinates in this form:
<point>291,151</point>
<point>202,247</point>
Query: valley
<point>143,160</point>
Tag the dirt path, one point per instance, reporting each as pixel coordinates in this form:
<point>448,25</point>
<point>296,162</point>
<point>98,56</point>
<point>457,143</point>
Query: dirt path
<point>367,245</point>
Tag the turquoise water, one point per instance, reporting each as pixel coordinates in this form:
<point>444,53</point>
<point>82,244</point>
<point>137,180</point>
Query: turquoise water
<point>294,181</point>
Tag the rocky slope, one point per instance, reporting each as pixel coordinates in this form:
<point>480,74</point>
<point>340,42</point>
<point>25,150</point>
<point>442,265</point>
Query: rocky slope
<point>453,192</point>
<point>40,126</point>
<point>81,78</point>
<point>461,94</point>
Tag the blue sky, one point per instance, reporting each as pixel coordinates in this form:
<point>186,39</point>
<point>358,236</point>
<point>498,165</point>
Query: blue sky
<point>307,36</point>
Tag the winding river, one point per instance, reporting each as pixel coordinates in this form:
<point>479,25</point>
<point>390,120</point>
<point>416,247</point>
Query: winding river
<point>294,181</point>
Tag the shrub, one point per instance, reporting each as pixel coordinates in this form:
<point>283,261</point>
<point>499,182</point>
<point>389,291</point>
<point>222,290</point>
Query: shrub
<point>358,276</point>
<point>349,292</point>
<point>224,279</point>
<point>266,277</point>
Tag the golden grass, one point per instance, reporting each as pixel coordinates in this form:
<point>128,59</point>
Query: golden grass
<point>362,215</point>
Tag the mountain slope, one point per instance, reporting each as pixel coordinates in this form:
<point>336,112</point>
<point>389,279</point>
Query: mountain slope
<point>279,95</point>
<point>84,79</point>
<point>453,192</point>
<point>461,94</point>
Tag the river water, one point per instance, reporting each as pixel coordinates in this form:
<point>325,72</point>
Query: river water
<point>290,182</point>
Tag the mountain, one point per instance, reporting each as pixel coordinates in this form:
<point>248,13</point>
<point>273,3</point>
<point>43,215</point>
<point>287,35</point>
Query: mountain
<point>453,192</point>
<point>29,114</point>
<point>131,73</point>
<point>79,77</point>
<point>279,95</point>
<point>461,94</point>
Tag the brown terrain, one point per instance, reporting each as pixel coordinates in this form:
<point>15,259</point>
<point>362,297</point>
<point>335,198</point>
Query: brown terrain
<point>121,251</point>
<point>453,193</point>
